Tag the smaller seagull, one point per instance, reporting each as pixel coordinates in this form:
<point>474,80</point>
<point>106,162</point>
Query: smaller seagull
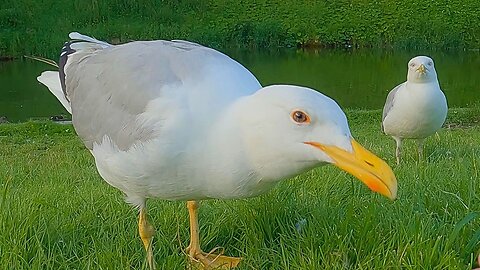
<point>416,108</point>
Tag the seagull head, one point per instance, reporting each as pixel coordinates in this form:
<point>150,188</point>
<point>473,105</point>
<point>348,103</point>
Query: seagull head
<point>290,129</point>
<point>421,69</point>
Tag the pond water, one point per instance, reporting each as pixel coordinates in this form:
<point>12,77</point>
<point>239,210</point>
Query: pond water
<point>355,79</point>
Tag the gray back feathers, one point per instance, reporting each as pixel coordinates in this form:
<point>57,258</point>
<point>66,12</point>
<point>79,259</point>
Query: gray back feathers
<point>111,87</point>
<point>389,103</point>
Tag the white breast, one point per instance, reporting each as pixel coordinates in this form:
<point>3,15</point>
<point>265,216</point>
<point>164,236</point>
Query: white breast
<point>419,110</point>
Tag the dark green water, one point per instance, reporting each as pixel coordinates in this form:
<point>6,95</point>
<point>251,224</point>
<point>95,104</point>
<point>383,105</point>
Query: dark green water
<point>362,79</point>
<point>356,79</point>
<point>21,96</point>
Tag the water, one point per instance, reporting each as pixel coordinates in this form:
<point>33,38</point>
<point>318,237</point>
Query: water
<point>356,79</point>
<point>362,79</point>
<point>21,96</point>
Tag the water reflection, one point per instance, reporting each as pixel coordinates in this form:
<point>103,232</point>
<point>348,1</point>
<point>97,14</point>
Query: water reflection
<point>21,96</point>
<point>356,79</point>
<point>362,79</point>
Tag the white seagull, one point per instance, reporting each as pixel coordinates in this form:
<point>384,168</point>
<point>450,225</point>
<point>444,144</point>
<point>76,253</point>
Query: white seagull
<point>179,121</point>
<point>416,108</point>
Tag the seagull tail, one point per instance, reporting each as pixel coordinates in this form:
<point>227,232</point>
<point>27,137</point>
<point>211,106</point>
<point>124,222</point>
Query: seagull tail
<point>51,80</point>
<point>55,80</point>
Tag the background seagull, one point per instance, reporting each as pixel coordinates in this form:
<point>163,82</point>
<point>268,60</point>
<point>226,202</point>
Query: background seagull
<point>178,121</point>
<point>416,108</point>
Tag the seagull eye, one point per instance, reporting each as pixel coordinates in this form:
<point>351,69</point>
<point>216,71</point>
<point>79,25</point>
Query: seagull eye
<point>300,117</point>
<point>430,63</point>
<point>412,65</point>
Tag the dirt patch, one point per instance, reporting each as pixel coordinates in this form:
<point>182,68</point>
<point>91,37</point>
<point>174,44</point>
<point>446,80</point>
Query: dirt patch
<point>462,124</point>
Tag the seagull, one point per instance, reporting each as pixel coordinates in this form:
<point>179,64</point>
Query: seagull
<point>416,108</point>
<point>175,120</point>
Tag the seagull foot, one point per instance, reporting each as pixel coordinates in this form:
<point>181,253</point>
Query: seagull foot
<point>147,231</point>
<point>211,260</point>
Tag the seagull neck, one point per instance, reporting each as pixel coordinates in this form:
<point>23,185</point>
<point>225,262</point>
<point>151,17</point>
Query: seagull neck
<point>225,137</point>
<point>246,147</point>
<point>422,82</point>
<point>228,162</point>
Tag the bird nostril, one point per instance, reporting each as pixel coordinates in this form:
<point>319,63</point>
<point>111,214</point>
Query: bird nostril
<point>369,163</point>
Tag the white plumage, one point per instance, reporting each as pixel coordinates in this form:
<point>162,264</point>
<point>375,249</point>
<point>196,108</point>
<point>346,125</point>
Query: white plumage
<point>50,79</point>
<point>178,121</point>
<point>416,108</point>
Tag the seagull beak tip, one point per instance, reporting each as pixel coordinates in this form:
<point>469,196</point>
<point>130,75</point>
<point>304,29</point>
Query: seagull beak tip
<point>364,165</point>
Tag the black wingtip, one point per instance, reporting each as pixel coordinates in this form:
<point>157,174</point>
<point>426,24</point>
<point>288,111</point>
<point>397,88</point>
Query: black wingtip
<point>64,53</point>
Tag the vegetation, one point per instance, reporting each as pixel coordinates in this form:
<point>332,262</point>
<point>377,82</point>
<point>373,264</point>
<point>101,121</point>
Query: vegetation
<point>57,213</point>
<point>38,27</point>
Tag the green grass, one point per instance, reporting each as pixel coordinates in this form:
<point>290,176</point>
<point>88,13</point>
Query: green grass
<point>57,213</point>
<point>40,27</point>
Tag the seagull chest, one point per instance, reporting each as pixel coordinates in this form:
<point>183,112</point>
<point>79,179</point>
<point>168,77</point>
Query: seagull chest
<point>418,112</point>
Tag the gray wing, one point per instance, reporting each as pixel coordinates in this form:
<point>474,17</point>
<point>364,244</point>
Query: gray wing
<point>107,96</point>
<point>389,103</point>
<point>110,88</point>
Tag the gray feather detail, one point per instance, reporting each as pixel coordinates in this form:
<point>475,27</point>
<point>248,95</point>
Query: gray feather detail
<point>110,89</point>
<point>77,43</point>
<point>185,45</point>
<point>79,37</point>
<point>108,95</point>
<point>64,53</point>
<point>390,102</point>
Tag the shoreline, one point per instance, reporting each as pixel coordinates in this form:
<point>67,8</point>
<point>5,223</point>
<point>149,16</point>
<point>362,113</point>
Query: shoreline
<point>27,29</point>
<point>458,117</point>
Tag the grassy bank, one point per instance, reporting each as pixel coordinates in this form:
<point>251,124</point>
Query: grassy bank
<point>40,27</point>
<point>57,213</point>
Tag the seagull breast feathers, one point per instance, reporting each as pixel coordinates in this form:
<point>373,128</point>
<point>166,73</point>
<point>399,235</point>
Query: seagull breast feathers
<point>417,111</point>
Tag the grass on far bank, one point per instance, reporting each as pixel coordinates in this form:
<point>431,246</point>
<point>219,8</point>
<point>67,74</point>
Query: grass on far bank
<point>41,27</point>
<point>57,213</point>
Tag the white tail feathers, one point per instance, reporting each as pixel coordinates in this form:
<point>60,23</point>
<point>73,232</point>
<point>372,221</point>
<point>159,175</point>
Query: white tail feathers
<point>51,80</point>
<point>90,43</point>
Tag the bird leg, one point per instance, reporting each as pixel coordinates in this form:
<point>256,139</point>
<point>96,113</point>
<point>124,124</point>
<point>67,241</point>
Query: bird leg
<point>147,232</point>
<point>199,258</point>
<point>398,150</point>
<point>420,149</point>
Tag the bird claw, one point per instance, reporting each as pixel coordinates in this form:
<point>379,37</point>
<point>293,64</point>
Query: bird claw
<point>212,260</point>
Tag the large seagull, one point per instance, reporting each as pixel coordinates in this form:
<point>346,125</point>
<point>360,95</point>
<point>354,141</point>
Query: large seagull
<point>179,121</point>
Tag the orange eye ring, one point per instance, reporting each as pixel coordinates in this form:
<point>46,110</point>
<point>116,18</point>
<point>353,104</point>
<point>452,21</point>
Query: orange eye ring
<point>300,117</point>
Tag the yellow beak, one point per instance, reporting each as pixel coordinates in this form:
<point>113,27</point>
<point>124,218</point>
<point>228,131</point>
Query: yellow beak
<point>422,69</point>
<point>361,163</point>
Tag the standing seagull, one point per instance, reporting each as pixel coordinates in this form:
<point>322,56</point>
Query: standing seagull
<point>416,108</point>
<point>178,121</point>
